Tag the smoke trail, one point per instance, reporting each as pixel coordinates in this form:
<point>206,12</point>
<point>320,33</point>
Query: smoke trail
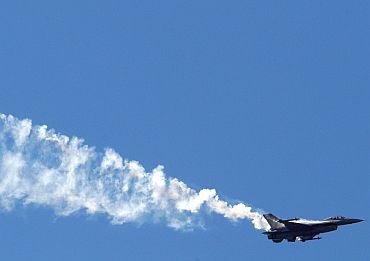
<point>39,166</point>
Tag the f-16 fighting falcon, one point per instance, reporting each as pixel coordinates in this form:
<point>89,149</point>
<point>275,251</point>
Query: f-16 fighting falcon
<point>297,229</point>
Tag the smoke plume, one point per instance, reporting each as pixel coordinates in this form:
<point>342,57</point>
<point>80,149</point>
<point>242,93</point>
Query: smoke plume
<point>39,166</point>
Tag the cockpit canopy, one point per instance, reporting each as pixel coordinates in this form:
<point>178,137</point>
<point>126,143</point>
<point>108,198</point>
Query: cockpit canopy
<point>335,218</point>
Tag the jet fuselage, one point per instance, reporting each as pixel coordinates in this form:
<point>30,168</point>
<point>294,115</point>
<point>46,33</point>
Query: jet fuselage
<point>300,229</point>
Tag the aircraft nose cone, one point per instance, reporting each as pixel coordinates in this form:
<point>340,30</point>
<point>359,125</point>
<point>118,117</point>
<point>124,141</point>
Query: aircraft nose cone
<point>355,220</point>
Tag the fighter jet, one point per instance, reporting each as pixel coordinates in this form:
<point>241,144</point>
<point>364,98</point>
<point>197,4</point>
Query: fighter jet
<point>297,229</point>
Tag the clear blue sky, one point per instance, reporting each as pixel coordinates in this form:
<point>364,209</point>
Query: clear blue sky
<point>266,101</point>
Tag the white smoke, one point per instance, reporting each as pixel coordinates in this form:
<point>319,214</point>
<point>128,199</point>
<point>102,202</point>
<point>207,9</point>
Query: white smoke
<point>39,166</point>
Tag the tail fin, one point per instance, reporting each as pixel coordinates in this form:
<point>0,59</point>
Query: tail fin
<point>273,221</point>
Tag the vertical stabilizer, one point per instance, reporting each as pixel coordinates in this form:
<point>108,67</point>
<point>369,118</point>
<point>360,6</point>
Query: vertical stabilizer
<point>273,221</point>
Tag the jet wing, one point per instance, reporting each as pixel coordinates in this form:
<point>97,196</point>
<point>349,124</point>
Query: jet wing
<point>294,225</point>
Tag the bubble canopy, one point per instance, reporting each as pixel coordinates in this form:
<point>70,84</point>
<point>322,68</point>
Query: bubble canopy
<point>335,218</point>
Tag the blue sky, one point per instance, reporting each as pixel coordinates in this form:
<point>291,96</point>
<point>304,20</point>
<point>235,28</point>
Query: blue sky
<point>267,102</point>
